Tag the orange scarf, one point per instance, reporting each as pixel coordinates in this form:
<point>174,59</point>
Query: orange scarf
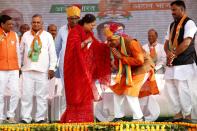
<point>173,46</point>
<point>36,46</point>
<point>129,81</point>
<point>153,53</point>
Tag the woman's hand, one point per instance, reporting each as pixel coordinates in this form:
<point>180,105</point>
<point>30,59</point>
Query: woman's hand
<point>89,40</point>
<point>86,42</point>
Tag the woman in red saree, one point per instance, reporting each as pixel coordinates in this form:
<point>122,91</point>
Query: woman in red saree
<point>85,61</point>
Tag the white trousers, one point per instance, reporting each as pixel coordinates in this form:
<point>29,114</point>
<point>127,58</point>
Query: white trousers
<point>179,95</point>
<point>9,79</point>
<point>150,108</point>
<point>193,90</point>
<point>61,70</point>
<point>38,83</point>
<point>133,105</point>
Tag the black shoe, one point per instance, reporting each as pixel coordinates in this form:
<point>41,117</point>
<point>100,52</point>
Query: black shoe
<point>138,120</point>
<point>23,121</point>
<point>174,120</point>
<point>117,119</point>
<point>41,121</point>
<point>186,121</point>
<point>33,121</point>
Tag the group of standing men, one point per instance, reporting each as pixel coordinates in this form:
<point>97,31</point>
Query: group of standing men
<point>37,56</point>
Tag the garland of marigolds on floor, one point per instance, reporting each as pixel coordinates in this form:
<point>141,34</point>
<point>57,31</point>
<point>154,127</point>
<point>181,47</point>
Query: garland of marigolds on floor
<point>101,126</point>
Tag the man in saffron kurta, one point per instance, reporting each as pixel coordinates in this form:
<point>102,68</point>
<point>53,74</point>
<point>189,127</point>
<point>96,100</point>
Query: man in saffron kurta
<point>135,77</point>
<point>83,64</point>
<point>9,67</point>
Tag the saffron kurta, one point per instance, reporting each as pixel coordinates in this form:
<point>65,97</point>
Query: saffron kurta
<point>141,64</point>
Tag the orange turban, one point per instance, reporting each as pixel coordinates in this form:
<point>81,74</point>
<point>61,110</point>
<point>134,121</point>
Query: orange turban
<point>113,31</point>
<point>73,11</point>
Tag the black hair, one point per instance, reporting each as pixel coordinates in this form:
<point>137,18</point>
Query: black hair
<point>88,18</point>
<point>4,18</point>
<point>179,3</point>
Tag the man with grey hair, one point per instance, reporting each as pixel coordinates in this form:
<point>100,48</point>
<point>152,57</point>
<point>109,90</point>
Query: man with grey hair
<point>156,51</point>
<point>52,28</point>
<point>39,61</point>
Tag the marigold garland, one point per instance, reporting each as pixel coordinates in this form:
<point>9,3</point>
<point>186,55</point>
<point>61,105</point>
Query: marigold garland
<point>110,126</point>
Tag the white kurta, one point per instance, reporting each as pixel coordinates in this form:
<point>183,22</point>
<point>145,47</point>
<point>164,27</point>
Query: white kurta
<point>35,75</point>
<point>60,45</point>
<point>47,58</point>
<point>161,55</point>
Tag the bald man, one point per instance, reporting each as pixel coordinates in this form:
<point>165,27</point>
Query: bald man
<point>52,28</point>
<point>23,29</point>
<point>156,50</point>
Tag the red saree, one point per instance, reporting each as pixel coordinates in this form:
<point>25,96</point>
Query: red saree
<point>82,66</point>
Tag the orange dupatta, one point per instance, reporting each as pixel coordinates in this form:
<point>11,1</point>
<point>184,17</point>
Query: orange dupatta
<point>36,46</point>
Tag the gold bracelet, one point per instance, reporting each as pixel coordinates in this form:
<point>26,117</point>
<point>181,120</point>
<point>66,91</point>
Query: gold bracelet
<point>82,45</point>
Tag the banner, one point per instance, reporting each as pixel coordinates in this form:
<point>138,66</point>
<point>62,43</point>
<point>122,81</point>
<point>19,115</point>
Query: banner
<point>137,16</point>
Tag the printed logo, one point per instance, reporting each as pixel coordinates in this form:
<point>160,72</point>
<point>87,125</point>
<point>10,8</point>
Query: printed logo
<point>12,42</point>
<point>114,9</point>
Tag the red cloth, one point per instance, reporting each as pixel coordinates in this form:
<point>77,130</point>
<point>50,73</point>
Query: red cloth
<point>82,66</point>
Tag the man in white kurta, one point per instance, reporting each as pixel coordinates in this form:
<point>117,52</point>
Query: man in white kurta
<point>181,60</point>
<point>37,69</point>
<point>160,56</point>
<point>73,15</point>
